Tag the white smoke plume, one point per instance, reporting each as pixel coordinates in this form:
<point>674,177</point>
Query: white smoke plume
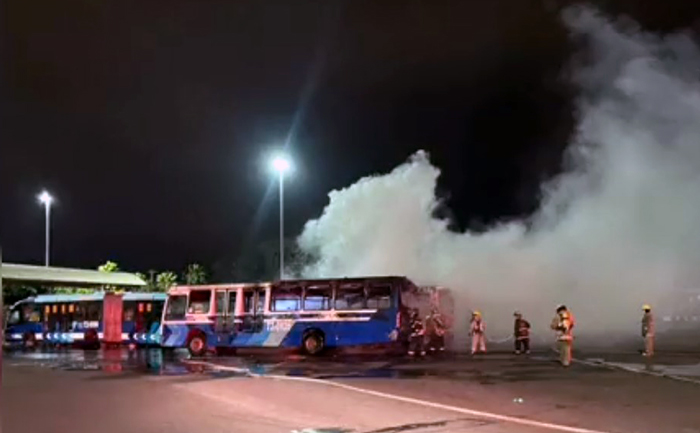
<point>619,229</point>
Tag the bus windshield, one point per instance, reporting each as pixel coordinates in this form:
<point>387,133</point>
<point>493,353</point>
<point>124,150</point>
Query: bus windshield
<point>14,317</point>
<point>177,306</point>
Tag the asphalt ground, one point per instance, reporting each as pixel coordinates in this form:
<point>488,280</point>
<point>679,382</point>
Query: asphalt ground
<point>149,390</point>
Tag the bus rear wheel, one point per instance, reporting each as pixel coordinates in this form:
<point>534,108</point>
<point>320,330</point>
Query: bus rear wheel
<point>313,343</point>
<point>197,345</point>
<point>91,340</point>
<point>28,340</point>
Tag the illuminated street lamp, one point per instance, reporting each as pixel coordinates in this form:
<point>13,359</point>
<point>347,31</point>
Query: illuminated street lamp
<point>46,199</point>
<point>281,166</point>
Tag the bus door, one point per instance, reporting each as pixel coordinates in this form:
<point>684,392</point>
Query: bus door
<point>146,321</point>
<point>224,318</point>
<point>252,322</point>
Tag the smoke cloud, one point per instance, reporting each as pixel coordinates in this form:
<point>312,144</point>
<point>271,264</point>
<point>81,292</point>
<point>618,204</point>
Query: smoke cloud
<point>618,229</point>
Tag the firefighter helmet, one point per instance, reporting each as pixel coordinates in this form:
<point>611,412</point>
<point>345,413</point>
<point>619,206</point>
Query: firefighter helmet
<point>476,313</point>
<point>646,307</point>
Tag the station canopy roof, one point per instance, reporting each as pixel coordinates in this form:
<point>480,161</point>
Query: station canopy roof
<point>48,275</point>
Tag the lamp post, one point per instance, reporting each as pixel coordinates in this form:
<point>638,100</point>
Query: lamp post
<point>281,166</point>
<point>46,199</point>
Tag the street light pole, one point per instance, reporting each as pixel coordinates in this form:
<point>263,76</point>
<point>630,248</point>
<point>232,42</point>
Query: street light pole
<point>48,233</point>
<point>46,199</point>
<point>281,165</point>
<point>281,224</point>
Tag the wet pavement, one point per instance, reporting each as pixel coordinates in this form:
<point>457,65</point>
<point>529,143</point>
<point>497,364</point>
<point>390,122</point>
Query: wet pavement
<point>586,395</point>
<point>489,369</point>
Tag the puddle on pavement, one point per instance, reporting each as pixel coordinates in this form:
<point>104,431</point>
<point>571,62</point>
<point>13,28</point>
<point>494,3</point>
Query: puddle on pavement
<point>129,363</point>
<point>144,361</point>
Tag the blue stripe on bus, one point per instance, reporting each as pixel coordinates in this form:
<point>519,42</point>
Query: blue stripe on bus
<point>376,330</point>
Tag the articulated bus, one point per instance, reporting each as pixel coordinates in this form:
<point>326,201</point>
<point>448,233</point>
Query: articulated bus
<point>308,314</point>
<point>78,319</point>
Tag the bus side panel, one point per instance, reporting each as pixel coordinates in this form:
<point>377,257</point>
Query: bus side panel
<point>175,334</point>
<point>294,337</point>
<point>376,328</point>
<point>14,334</point>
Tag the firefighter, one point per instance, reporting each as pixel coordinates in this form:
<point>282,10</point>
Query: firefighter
<point>648,331</point>
<point>521,332</point>
<point>415,345</point>
<point>563,323</point>
<point>435,329</point>
<point>476,330</point>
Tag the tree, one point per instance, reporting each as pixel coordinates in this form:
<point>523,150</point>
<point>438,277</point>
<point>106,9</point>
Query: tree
<point>165,280</point>
<point>13,292</point>
<point>150,282</point>
<point>108,266</point>
<point>195,274</point>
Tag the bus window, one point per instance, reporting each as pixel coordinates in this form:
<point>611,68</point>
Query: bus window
<point>177,306</point>
<point>379,296</point>
<point>220,302</point>
<point>318,298</point>
<point>32,313</point>
<point>350,296</point>
<point>79,312</point>
<point>93,311</point>
<point>14,317</point>
<point>248,297</point>
<point>260,304</point>
<point>285,299</point>
<point>128,312</point>
<point>232,302</point>
<point>200,302</point>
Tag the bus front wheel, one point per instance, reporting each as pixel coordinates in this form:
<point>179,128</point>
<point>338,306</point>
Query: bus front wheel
<point>313,342</point>
<point>197,345</point>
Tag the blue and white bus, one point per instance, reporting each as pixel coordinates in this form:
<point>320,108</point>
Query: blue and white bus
<point>308,314</point>
<point>78,319</point>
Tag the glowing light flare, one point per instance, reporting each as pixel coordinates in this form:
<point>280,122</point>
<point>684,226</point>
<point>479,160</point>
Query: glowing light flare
<point>281,164</point>
<point>45,198</point>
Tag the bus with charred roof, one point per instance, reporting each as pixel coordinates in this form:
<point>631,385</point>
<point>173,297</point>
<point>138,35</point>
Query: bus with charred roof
<point>309,314</point>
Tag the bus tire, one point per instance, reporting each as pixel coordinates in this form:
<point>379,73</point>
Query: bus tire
<point>28,340</point>
<point>197,344</point>
<point>313,342</point>
<point>91,340</point>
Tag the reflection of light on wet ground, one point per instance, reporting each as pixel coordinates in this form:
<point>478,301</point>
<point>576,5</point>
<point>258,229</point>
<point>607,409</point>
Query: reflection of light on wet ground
<point>121,361</point>
<point>496,369</point>
<point>676,370</point>
<point>149,361</point>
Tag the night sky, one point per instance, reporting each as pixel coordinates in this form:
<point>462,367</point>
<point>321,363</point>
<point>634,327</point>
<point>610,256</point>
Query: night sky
<point>151,121</point>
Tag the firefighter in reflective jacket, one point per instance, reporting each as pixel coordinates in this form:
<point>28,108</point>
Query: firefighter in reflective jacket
<point>563,324</point>
<point>417,336</point>
<point>435,329</point>
<point>477,328</point>
<point>648,331</point>
<point>521,332</point>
